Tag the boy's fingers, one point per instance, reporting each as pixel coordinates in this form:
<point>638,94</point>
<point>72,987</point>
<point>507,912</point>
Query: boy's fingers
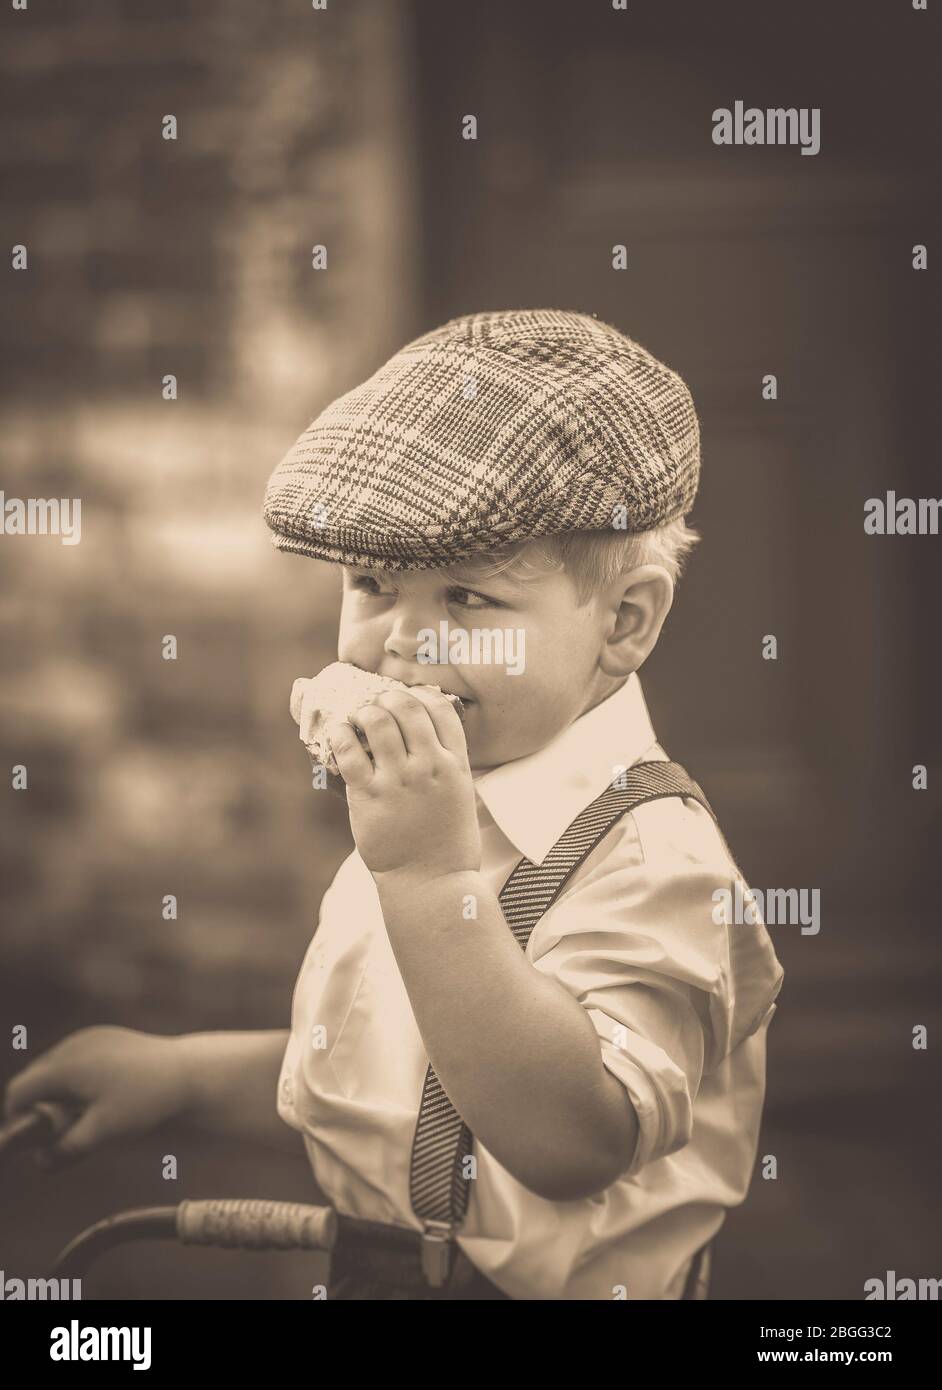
<point>351,757</point>
<point>382,732</point>
<point>74,1144</point>
<point>413,717</point>
<point>448,725</point>
<point>58,1117</point>
<point>34,1084</point>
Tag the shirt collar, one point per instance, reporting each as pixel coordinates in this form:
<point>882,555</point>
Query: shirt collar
<point>533,799</point>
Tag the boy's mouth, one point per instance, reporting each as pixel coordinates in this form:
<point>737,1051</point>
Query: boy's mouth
<point>465,699</point>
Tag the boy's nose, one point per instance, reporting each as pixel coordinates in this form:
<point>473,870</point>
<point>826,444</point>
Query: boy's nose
<point>411,658</point>
<point>403,641</point>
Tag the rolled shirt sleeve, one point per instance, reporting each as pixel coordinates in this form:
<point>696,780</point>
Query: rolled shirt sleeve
<point>661,1090</point>
<point>637,944</point>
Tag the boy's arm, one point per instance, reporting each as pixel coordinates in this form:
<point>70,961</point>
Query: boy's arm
<point>230,1083</point>
<point>516,1054</point>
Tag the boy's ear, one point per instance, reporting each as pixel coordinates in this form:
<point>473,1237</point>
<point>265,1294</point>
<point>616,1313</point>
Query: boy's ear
<point>638,603</point>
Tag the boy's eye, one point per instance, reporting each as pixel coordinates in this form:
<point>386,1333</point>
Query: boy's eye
<point>462,597</point>
<point>362,581</point>
<point>482,602</point>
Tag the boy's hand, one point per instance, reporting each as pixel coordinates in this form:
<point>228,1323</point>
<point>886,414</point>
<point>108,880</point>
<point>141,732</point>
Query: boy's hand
<point>412,809</point>
<point>113,1081</point>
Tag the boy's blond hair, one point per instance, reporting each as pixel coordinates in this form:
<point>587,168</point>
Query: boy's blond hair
<point>592,559</point>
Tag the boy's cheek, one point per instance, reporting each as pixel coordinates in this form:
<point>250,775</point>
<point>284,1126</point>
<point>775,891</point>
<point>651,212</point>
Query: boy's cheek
<point>357,650</point>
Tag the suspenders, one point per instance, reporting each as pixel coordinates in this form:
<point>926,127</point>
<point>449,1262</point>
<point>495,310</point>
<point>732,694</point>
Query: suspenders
<point>442,1141</point>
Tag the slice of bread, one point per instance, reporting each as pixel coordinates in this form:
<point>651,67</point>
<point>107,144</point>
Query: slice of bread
<point>333,695</point>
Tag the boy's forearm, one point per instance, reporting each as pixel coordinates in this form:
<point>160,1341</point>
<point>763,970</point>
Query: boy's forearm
<point>230,1085</point>
<point>516,1053</point>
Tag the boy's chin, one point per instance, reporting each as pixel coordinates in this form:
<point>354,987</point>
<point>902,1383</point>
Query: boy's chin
<point>484,754</point>
<point>486,759</point>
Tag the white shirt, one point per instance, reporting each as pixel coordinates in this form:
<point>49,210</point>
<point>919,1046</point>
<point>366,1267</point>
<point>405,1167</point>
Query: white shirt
<point>633,938</point>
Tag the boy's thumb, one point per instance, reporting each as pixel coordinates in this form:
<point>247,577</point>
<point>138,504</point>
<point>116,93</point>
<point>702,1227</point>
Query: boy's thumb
<point>72,1144</point>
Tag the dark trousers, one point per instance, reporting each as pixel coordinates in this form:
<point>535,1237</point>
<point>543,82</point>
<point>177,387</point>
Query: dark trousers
<point>368,1272</point>
<point>373,1273</point>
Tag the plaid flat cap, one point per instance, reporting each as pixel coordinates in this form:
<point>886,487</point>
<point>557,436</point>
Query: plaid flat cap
<point>494,428</point>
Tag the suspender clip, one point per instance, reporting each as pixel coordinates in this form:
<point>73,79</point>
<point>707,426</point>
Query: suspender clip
<point>438,1250</point>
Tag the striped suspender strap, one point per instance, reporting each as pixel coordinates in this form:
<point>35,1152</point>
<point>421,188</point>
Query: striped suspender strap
<point>442,1141</point>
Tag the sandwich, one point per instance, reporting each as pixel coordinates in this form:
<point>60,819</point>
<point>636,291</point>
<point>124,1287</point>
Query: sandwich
<point>333,696</point>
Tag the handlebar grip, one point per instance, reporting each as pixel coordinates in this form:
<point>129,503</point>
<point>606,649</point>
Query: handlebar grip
<point>256,1224</point>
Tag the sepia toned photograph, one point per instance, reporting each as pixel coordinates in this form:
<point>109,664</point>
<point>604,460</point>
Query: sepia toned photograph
<point>469,594</point>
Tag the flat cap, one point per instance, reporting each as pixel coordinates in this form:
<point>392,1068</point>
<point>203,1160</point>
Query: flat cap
<point>494,428</point>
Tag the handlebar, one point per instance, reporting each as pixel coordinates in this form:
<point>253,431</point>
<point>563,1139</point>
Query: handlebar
<point>244,1222</point>
<point>247,1223</point>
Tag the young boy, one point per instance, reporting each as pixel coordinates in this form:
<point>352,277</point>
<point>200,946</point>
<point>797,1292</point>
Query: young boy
<point>520,1040</point>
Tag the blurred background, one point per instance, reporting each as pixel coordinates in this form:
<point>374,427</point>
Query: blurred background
<point>192,257</point>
